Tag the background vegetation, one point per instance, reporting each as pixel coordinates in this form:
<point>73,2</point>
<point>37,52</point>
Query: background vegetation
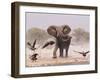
<point>79,35</point>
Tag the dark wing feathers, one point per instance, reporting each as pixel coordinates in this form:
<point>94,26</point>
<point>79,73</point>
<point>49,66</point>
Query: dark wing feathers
<point>87,52</point>
<point>82,52</point>
<point>52,42</point>
<point>28,43</point>
<point>34,44</point>
<point>48,43</point>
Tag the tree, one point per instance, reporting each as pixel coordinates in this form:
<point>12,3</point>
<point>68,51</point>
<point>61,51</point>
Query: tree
<point>80,35</point>
<point>37,33</point>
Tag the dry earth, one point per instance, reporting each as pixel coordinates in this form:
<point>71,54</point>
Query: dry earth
<point>45,56</point>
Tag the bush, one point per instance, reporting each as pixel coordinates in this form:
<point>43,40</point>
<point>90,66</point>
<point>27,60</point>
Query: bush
<point>38,34</point>
<point>81,35</point>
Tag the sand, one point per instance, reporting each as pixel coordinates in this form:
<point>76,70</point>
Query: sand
<point>45,57</point>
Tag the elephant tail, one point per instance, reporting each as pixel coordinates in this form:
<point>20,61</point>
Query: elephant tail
<point>48,43</point>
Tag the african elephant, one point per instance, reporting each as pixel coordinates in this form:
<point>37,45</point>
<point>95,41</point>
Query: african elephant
<point>62,38</point>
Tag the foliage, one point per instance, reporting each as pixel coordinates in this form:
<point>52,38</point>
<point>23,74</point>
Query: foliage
<point>36,33</point>
<point>80,35</point>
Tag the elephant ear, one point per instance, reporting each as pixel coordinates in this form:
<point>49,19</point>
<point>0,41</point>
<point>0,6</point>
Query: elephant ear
<point>66,29</point>
<point>52,31</point>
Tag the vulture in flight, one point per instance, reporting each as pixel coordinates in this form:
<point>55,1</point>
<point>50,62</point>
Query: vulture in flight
<point>34,57</point>
<point>83,53</point>
<point>48,43</point>
<point>32,47</point>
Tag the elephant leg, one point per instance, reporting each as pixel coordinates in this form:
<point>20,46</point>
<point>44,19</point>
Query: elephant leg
<point>61,52</point>
<point>67,51</point>
<point>67,48</point>
<point>54,52</point>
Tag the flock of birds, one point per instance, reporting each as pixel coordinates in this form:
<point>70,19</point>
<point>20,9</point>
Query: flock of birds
<point>33,57</point>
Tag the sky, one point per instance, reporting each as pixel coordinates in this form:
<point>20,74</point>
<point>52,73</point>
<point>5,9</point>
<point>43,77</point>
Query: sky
<point>44,20</point>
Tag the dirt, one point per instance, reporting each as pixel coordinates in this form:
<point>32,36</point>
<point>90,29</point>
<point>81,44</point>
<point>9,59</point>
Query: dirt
<point>44,57</point>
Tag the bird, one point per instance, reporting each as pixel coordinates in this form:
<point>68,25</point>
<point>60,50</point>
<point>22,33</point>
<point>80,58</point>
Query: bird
<point>83,53</point>
<point>48,43</point>
<point>32,47</point>
<point>34,57</point>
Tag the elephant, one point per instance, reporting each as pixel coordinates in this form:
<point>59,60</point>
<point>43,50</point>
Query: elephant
<point>63,39</point>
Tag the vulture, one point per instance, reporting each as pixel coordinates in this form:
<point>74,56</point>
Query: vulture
<point>32,47</point>
<point>83,53</point>
<point>48,43</point>
<point>34,57</point>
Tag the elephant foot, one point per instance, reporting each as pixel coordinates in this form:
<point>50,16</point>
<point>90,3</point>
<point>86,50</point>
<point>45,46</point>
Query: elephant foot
<point>54,57</point>
<point>61,56</point>
<point>66,55</point>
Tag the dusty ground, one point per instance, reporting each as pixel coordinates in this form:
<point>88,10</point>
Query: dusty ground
<point>45,57</point>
